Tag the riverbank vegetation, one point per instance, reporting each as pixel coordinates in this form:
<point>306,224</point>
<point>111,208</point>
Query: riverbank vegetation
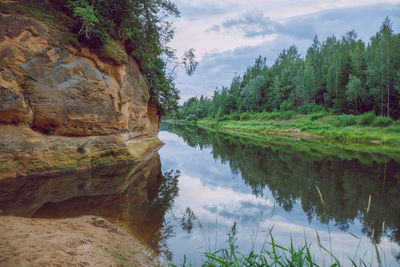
<point>366,128</point>
<point>342,88</point>
<point>273,255</point>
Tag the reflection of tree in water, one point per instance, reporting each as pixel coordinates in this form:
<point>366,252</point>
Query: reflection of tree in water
<point>345,178</point>
<point>186,221</point>
<point>162,203</point>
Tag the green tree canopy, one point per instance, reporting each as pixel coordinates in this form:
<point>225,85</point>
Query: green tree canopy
<point>340,75</point>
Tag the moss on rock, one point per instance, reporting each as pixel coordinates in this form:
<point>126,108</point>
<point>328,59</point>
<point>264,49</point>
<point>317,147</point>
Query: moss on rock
<point>101,158</point>
<point>113,52</point>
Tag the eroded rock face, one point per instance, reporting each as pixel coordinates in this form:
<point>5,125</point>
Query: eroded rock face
<point>66,91</point>
<point>57,90</point>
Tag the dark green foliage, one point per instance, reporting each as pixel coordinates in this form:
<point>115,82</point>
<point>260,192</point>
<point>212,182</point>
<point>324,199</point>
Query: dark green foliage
<point>235,116</point>
<point>382,121</point>
<point>222,118</point>
<point>310,108</point>
<point>286,115</point>
<point>346,120</point>
<point>339,76</point>
<point>317,116</point>
<point>190,117</point>
<point>366,119</point>
<point>244,116</point>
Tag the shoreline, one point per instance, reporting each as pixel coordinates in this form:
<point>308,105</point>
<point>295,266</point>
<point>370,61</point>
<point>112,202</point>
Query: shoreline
<point>80,241</point>
<point>301,141</point>
<point>299,129</point>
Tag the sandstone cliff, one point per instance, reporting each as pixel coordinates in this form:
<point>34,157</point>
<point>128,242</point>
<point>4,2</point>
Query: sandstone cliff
<point>63,108</point>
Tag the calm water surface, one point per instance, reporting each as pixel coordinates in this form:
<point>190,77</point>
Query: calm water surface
<point>184,199</point>
<point>227,179</point>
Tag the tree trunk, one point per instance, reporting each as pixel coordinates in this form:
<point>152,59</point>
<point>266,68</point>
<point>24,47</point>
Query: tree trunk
<point>387,79</point>
<point>357,105</point>
<point>336,77</point>
<point>381,82</point>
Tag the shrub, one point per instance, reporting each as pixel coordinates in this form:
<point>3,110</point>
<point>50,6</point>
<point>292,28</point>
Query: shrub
<point>317,108</point>
<point>286,105</point>
<point>393,129</point>
<point>235,116</point>
<point>382,121</point>
<point>287,114</point>
<point>317,116</point>
<point>244,116</point>
<point>345,120</point>
<point>310,108</point>
<point>223,118</point>
<point>111,51</point>
<point>397,123</point>
<point>190,117</point>
<point>366,119</point>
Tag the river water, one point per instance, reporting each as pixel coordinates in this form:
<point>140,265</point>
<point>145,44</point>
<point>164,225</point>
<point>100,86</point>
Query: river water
<point>273,185</point>
<point>184,200</point>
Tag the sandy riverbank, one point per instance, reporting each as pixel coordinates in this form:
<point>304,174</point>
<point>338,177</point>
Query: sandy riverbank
<point>82,241</point>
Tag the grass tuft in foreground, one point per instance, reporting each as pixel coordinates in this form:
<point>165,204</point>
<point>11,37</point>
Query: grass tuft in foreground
<point>275,255</point>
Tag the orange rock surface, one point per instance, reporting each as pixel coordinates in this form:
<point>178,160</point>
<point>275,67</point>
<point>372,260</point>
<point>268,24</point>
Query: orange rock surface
<point>55,98</point>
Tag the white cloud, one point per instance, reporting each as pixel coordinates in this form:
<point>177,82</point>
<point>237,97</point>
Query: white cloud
<point>231,49</point>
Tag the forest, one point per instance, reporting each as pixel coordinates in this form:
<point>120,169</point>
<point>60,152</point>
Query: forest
<point>339,76</point>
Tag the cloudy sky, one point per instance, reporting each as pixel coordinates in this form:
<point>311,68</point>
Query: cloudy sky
<point>228,35</point>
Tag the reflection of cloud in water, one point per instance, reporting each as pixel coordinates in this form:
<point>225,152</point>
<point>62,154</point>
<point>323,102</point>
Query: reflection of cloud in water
<point>169,137</point>
<point>197,195</point>
<point>218,208</point>
<point>198,163</point>
<point>218,197</point>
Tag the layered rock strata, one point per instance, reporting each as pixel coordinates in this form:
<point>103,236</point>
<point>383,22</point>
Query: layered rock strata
<point>64,108</point>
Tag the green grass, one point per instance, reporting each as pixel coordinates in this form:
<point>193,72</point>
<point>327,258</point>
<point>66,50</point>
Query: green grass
<point>272,254</point>
<point>366,128</point>
<point>276,256</point>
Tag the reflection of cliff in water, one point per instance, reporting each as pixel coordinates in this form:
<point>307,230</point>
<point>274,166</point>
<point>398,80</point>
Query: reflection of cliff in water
<point>292,169</point>
<point>135,196</point>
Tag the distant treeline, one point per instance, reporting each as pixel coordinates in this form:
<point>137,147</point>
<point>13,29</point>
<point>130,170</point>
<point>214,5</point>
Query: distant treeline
<point>338,75</point>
